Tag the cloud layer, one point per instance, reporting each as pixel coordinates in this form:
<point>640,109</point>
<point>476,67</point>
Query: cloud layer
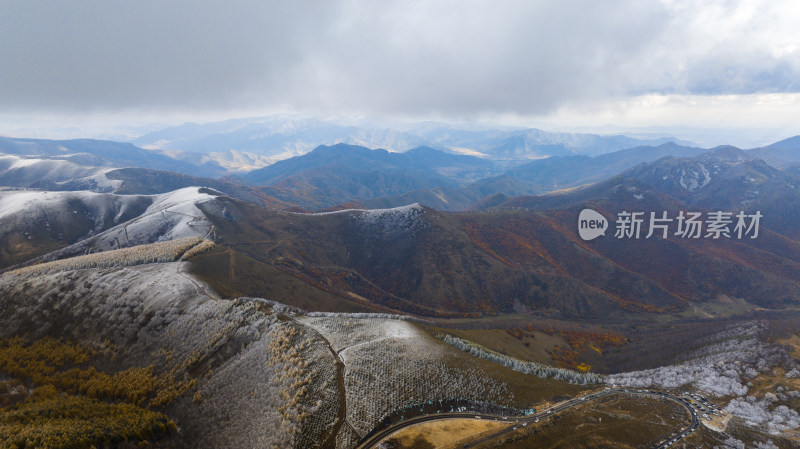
<point>453,58</point>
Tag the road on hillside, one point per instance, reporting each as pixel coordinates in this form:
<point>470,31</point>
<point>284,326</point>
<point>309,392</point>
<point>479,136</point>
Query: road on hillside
<point>341,415</point>
<point>372,440</point>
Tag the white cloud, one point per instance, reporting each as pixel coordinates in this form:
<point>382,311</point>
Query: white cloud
<point>674,61</point>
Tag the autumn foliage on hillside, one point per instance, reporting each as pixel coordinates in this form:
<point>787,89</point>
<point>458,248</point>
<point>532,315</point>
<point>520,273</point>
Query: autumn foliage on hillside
<point>578,341</point>
<point>55,398</point>
<point>430,263</point>
<point>539,244</point>
<point>350,284</point>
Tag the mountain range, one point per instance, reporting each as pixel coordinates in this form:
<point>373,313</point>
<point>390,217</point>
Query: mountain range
<point>513,246</point>
<point>243,144</point>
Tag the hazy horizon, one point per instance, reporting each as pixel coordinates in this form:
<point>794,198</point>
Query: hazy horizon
<point>703,137</point>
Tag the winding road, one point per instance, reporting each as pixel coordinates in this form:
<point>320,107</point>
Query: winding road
<point>372,440</point>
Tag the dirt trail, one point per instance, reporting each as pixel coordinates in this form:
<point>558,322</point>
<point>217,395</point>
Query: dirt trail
<point>341,415</point>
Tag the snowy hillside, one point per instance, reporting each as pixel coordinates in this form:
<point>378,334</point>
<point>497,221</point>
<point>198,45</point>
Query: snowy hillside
<point>53,173</point>
<point>30,206</point>
<point>225,360</point>
<point>45,226</point>
<point>171,216</point>
<point>34,223</point>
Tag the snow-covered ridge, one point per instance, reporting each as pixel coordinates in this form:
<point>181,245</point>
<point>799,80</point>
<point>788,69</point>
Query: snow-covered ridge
<point>372,212</point>
<point>172,215</point>
<point>101,182</point>
<point>366,316</point>
<point>411,218</point>
<point>403,218</point>
<point>31,172</point>
<point>407,210</point>
<point>31,205</point>
<point>158,218</point>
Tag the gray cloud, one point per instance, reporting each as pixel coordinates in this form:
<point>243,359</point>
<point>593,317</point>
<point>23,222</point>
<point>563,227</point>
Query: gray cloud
<point>406,57</point>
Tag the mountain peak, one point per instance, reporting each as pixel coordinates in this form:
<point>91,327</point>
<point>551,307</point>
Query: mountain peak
<point>792,143</point>
<point>341,148</point>
<point>725,153</point>
<point>424,149</point>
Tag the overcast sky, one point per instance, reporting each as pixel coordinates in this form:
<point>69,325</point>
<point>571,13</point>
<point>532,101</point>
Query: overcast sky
<point>565,64</point>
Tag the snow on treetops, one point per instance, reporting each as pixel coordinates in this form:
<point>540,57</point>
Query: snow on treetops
<point>409,217</point>
<point>159,252</point>
<point>372,212</point>
<point>400,219</point>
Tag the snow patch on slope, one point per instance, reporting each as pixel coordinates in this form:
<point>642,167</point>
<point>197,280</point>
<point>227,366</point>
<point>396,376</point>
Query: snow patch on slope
<point>20,162</point>
<point>348,330</point>
<point>103,183</point>
<point>694,180</point>
<point>238,161</point>
<point>404,218</point>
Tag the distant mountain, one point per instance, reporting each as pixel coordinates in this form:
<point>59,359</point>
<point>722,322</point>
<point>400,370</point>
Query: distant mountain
<point>691,178</point>
<point>728,179</point>
<point>102,153</point>
<point>377,178</point>
<point>563,172</point>
<point>423,160</point>
<point>792,143</point>
<point>455,199</point>
<point>536,177</point>
<point>780,154</point>
<point>270,139</point>
<point>725,177</point>
<point>439,198</point>
<point>332,175</point>
<point>521,144</point>
<point>231,160</point>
